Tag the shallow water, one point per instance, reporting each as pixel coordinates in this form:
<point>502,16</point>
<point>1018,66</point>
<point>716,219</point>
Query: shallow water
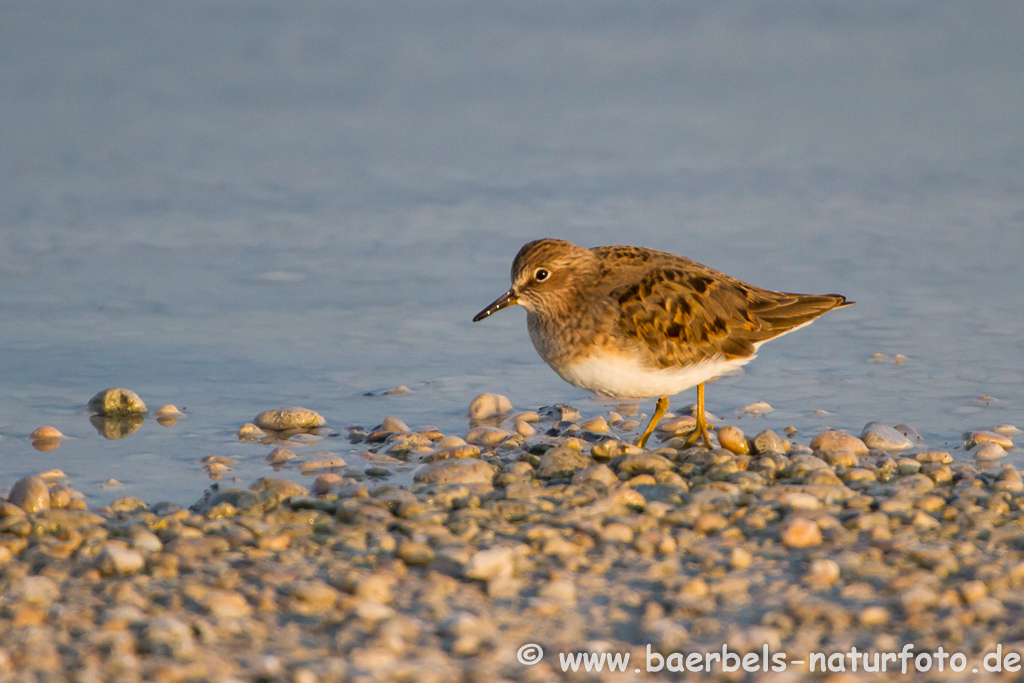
<point>251,205</point>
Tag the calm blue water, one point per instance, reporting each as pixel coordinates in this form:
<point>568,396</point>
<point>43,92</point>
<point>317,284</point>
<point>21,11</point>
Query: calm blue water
<point>247,205</point>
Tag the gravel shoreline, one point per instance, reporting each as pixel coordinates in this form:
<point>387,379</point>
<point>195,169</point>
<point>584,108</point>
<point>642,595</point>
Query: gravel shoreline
<point>539,528</point>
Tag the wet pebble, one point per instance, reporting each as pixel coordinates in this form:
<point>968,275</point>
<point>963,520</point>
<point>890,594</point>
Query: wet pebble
<point>487,437</point>
<point>489,405</point>
<point>322,462</point>
<point>732,438</point>
<point>30,494</point>
<point>116,402</point>
<point>280,419</point>
<point>280,455</point>
<point>250,432</point>
<point>756,409</point>
<point>989,450</point>
<point>884,437</point>
<point>597,424</point>
<point>977,438</point>
<point>45,433</point>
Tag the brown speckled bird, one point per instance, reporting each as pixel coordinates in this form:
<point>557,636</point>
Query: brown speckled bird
<point>629,322</point>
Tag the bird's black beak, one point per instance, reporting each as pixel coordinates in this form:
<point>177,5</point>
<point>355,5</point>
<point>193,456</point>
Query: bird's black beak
<point>507,299</point>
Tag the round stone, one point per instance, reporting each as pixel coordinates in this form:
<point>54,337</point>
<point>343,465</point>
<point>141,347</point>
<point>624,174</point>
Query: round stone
<point>116,402</point>
<point>45,433</point>
<point>989,451</point>
<point>250,432</point>
<point>732,438</point>
<point>884,437</point>
<point>30,494</point>
<point>489,405</point>
<point>168,410</point>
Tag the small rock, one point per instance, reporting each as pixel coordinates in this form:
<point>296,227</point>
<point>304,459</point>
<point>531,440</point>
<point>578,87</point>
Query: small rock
<point>884,437</point>
<point>1006,430</point>
<point>874,616</point>
<point>289,418</point>
<point>171,636</point>
<point>415,553</point>
<point>116,402</point>
<point>30,494</point>
<point>312,597</point>
<point>169,410</point>
<point>562,591</point>
<point>487,436</point>
<point>488,564</point>
<point>323,462</point>
<point>525,429</point>
<point>228,604</point>
<point>836,440</point>
<point>489,405</point>
<point>976,438</point>
<point>280,455</point>
<point>740,558</point>
<point>45,433</point>
<point>392,425</point>
<point>989,451</point>
<point>41,591</point>
<point>769,442</point>
<point>599,473</point>
<point>1009,479</point>
<point>800,532</point>
<point>250,432</point>
<point>562,461</point>
<point>323,483</point>
<point>732,438</point>
<point>117,560</point>
<point>598,425</point>
<point>756,409</point>
<point>459,471</point>
<point>642,463</point>
<point>676,425</point>
<point>910,433</point>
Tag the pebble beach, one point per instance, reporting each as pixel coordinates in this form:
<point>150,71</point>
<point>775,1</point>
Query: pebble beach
<point>532,536</point>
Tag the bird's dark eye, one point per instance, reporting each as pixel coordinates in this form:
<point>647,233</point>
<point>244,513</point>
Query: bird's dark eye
<point>541,274</point>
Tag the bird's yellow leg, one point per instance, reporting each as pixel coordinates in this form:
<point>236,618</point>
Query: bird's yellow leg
<point>659,410</point>
<point>700,430</point>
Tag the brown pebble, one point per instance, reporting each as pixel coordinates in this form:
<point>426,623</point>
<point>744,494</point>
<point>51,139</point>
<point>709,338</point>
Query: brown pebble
<point>732,438</point>
<point>800,532</point>
<point>45,433</point>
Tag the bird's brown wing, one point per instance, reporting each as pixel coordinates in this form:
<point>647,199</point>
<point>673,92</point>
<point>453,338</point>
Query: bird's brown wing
<point>684,313</point>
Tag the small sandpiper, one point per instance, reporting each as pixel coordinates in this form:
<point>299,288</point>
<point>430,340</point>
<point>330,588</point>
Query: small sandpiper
<point>630,322</point>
